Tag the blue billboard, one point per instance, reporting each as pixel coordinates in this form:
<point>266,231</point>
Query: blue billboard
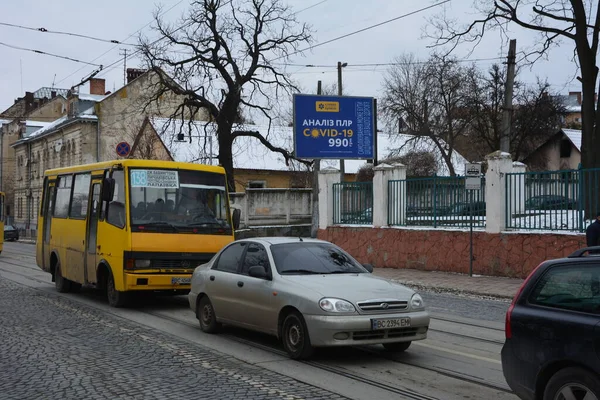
<point>335,127</point>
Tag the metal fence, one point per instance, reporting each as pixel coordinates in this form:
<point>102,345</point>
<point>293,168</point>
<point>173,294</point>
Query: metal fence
<point>552,200</point>
<point>436,202</point>
<point>353,203</point>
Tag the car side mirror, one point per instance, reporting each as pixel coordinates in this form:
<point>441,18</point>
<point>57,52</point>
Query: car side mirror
<point>108,189</point>
<point>237,215</point>
<point>368,267</point>
<point>258,271</point>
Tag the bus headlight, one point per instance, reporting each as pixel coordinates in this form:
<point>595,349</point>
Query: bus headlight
<point>142,263</point>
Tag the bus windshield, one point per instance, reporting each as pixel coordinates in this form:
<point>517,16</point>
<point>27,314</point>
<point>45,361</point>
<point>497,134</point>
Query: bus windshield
<point>179,201</point>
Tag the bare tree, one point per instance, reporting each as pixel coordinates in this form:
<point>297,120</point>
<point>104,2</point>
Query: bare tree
<point>536,116</point>
<point>428,100</point>
<point>574,21</point>
<point>221,56</point>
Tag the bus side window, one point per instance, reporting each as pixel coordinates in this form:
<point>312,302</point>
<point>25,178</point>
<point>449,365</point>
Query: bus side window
<point>115,213</point>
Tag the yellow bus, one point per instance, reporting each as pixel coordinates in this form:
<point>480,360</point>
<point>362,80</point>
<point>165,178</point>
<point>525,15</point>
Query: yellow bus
<point>2,221</point>
<point>132,225</point>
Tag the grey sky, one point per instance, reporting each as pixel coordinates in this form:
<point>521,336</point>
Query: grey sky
<point>117,19</point>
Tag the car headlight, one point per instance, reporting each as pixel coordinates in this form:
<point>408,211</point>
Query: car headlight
<point>416,302</point>
<point>336,305</point>
<point>142,263</point>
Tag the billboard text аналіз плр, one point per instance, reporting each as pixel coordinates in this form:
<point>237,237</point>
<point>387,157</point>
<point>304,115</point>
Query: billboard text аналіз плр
<point>333,127</point>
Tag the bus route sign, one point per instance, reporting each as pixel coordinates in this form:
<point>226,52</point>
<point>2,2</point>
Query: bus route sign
<point>334,127</point>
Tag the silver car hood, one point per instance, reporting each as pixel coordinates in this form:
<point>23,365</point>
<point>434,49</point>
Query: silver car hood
<point>351,287</point>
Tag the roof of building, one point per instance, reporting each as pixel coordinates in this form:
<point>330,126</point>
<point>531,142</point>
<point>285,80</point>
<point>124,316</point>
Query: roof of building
<point>57,124</point>
<point>92,97</point>
<point>574,136</point>
<point>570,102</point>
<point>250,153</point>
<point>47,92</point>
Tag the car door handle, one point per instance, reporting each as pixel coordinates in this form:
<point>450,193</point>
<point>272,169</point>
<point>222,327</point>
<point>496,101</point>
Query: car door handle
<point>240,283</point>
<point>212,278</point>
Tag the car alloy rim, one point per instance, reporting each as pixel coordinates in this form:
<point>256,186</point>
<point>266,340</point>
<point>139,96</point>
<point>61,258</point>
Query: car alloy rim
<point>294,335</point>
<point>206,314</point>
<point>575,391</point>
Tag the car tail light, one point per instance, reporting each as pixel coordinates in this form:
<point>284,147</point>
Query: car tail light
<point>507,321</point>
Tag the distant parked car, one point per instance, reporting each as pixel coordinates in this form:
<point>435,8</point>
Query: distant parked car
<point>552,347</point>
<point>476,208</point>
<point>550,202</point>
<point>10,233</point>
<point>309,293</point>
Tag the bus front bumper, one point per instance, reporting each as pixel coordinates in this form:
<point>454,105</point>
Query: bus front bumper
<point>157,282</point>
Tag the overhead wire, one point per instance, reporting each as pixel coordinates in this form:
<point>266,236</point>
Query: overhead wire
<point>44,30</point>
<point>48,54</point>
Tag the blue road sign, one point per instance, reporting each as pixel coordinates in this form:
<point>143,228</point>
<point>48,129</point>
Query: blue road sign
<point>123,149</point>
<point>334,127</point>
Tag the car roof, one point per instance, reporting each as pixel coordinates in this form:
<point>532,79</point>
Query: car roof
<point>282,240</point>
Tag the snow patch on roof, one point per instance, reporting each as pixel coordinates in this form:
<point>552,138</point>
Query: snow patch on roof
<point>574,136</point>
<point>92,97</point>
<point>250,153</point>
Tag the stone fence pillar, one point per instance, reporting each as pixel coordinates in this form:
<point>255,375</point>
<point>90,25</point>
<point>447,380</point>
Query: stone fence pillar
<point>327,178</point>
<point>499,164</point>
<point>384,173</point>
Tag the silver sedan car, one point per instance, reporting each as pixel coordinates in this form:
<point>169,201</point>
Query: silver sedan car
<point>308,293</point>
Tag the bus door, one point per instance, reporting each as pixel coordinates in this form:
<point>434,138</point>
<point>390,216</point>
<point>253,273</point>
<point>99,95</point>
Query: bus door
<point>92,232</point>
<point>48,210</point>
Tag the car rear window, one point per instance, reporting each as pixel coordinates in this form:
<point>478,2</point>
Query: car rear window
<point>569,287</point>
<point>8,228</point>
<point>316,258</point>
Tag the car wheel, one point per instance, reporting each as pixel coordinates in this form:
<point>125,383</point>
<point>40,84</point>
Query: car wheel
<point>62,284</point>
<point>205,312</point>
<point>573,383</point>
<point>115,298</point>
<point>295,337</point>
<point>397,347</point>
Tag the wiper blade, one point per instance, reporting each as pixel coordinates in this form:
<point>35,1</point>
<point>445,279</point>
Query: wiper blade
<point>301,271</point>
<point>344,272</point>
<point>206,223</point>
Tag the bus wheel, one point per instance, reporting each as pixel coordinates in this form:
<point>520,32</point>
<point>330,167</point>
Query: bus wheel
<point>115,298</point>
<point>62,285</point>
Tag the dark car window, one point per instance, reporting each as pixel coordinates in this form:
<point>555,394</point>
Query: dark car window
<point>572,287</point>
<point>8,228</point>
<point>313,258</point>
<point>229,260</point>
<point>256,255</point>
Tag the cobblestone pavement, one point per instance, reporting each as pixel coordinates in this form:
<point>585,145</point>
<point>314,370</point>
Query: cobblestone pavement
<point>53,348</point>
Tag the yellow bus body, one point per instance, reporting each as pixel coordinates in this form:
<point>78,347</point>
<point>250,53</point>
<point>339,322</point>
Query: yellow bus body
<point>138,256</point>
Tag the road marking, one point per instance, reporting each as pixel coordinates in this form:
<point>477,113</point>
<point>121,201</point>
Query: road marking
<point>460,353</point>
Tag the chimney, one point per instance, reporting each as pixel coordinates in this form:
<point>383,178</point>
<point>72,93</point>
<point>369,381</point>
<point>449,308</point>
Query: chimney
<point>53,94</point>
<point>133,73</point>
<point>29,101</point>
<point>578,94</point>
<point>97,86</point>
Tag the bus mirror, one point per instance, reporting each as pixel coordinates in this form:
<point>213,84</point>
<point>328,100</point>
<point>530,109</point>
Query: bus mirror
<point>237,213</point>
<point>108,189</point>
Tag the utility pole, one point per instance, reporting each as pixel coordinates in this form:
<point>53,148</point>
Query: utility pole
<point>124,54</point>
<point>315,194</point>
<point>508,97</point>
<point>340,66</point>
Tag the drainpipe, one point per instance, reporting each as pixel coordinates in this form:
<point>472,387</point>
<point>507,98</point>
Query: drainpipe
<point>29,194</point>
<point>98,140</point>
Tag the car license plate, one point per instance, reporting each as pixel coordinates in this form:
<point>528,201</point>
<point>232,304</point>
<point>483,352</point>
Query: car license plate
<point>389,323</point>
<point>180,281</point>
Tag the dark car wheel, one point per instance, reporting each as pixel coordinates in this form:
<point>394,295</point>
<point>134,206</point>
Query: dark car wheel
<point>115,298</point>
<point>207,317</point>
<point>397,347</point>
<point>295,337</point>
<point>573,383</point>
<point>62,284</point>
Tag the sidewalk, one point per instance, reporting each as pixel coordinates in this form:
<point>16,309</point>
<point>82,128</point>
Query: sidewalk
<point>487,286</point>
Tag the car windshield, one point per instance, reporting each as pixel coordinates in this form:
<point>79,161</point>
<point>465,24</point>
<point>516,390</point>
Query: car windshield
<point>8,228</point>
<point>173,201</point>
<point>313,258</point>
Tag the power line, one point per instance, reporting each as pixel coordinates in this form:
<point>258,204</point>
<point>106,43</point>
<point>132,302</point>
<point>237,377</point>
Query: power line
<point>384,64</point>
<point>365,29</point>
<point>309,7</point>
<point>115,46</point>
<point>44,30</point>
<point>48,54</point>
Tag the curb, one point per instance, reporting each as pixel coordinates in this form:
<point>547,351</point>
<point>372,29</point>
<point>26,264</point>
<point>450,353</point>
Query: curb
<point>422,287</point>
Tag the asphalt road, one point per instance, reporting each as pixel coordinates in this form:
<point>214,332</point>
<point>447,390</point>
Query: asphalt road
<point>76,346</point>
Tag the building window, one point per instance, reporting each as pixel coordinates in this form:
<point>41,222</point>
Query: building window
<point>565,148</point>
<point>257,184</point>
<point>20,208</point>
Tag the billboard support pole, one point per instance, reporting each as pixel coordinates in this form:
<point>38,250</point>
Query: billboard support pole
<point>315,195</point>
<point>342,164</point>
